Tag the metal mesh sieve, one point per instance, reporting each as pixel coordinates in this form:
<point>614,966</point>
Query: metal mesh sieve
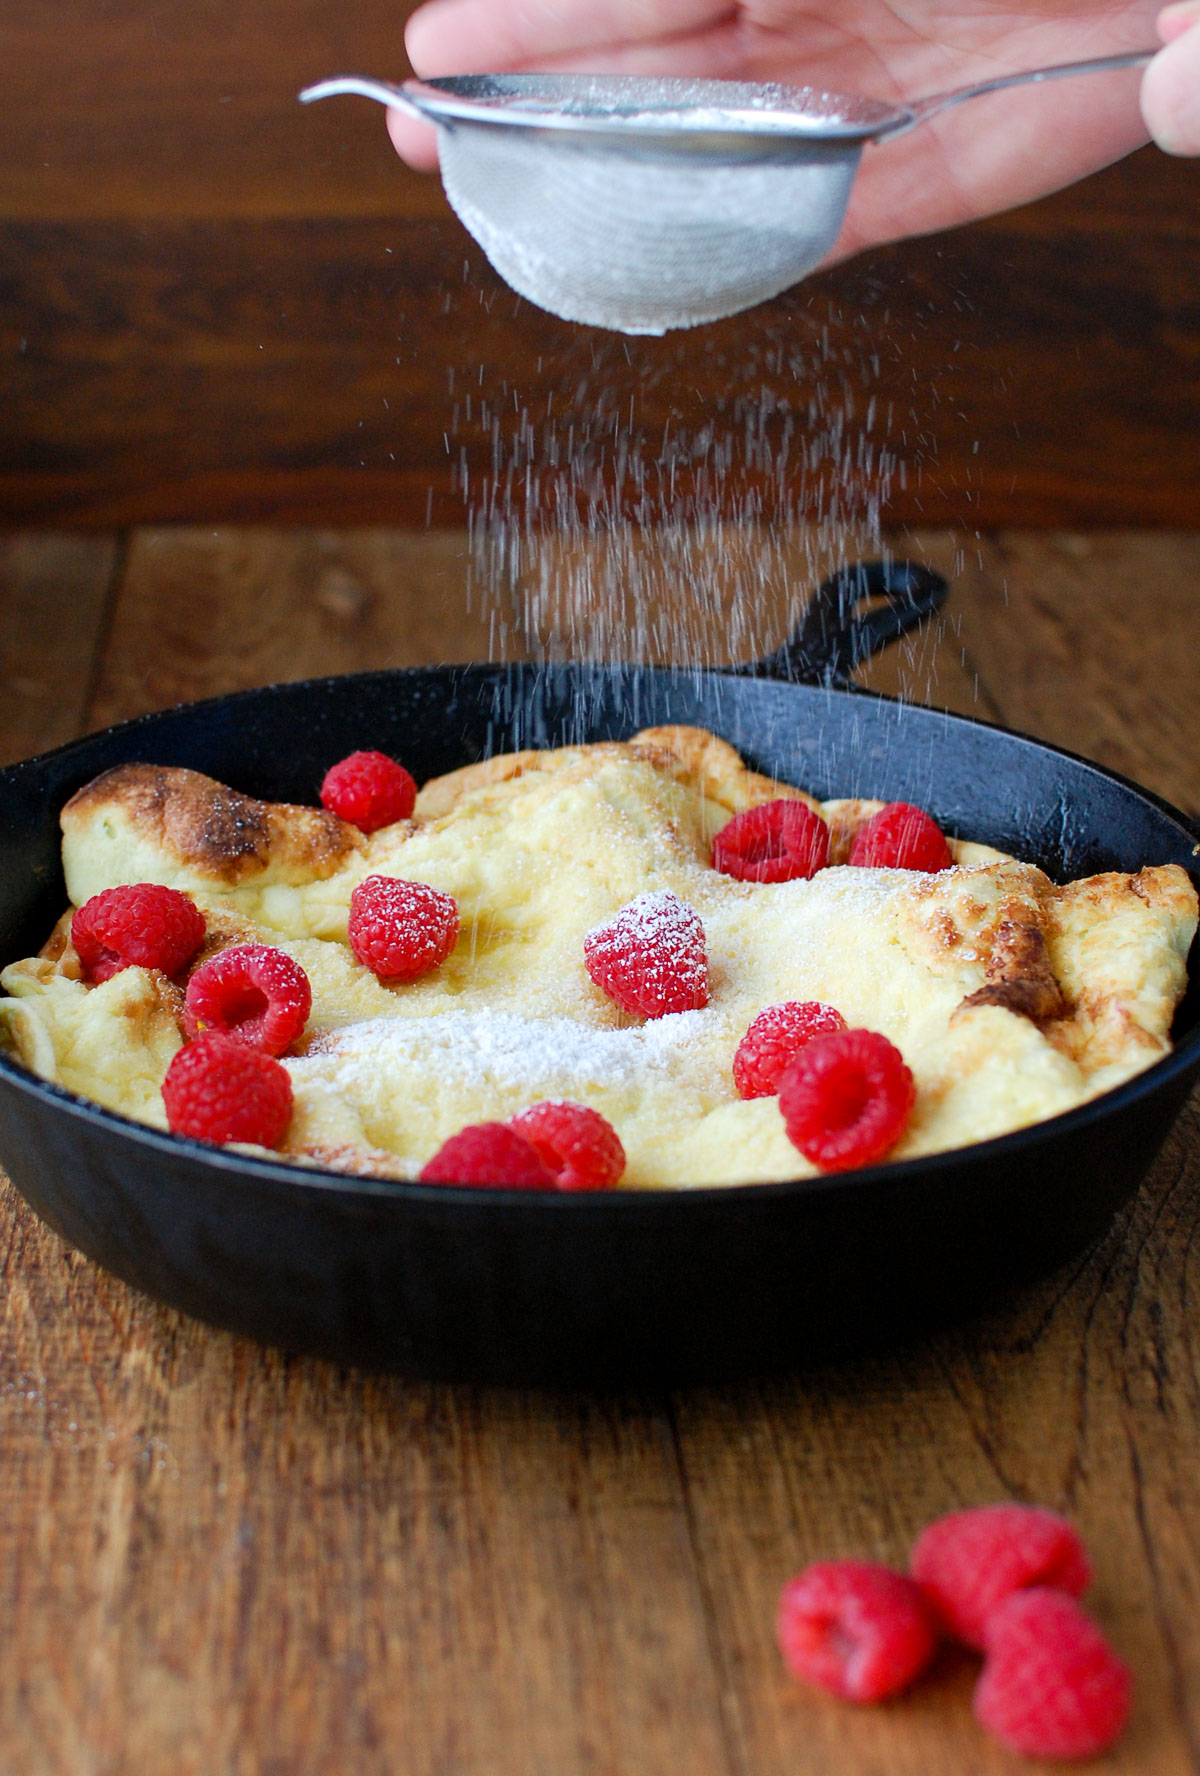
<point>641,243</point>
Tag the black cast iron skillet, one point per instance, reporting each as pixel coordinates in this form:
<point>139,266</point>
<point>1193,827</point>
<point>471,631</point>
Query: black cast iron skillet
<point>528,1287</point>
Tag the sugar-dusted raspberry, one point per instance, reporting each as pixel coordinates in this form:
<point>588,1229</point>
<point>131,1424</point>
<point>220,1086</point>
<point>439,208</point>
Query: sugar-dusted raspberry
<point>650,956</point>
<point>370,790</point>
<point>1051,1686</point>
<point>846,1099</point>
<point>489,1153</point>
<point>773,842</point>
<point>400,930</point>
<point>860,1630</point>
<point>776,1037</point>
<point>251,992</point>
<point>901,837</point>
<point>220,1090</point>
<point>573,1141</point>
<point>146,925</point>
<point>970,1560</point>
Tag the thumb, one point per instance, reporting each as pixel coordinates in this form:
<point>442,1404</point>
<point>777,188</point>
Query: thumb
<point>1170,94</point>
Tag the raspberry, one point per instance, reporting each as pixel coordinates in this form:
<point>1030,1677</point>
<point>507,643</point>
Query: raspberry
<point>251,992</point>
<point>773,842</point>
<point>776,1037</point>
<point>583,1151</point>
<point>1052,1687</point>
<point>220,1090</point>
<point>650,957</point>
<point>146,925</point>
<point>969,1561</point>
<point>369,790</point>
<point>488,1153</point>
<point>400,930</point>
<point>846,1098</point>
<point>860,1630</point>
<point>901,837</point>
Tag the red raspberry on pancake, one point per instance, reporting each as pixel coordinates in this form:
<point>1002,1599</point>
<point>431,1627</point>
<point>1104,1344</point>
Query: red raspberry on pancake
<point>143,925</point>
<point>776,841</point>
<point>901,837</point>
<point>370,790</point>
<point>491,1154</point>
<point>576,1143</point>
<point>774,1038</point>
<point>254,993</point>
<point>220,1090</point>
<point>846,1099</point>
<point>650,957</point>
<point>400,930</point>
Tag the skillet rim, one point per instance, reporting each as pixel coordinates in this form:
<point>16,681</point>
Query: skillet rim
<point>1183,1057</point>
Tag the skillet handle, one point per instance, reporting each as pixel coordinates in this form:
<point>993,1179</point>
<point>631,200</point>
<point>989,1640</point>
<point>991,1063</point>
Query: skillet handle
<point>846,623</point>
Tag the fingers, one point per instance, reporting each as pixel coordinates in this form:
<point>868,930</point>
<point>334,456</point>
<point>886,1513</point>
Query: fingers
<point>413,141</point>
<point>1171,84</point>
<point>490,36</point>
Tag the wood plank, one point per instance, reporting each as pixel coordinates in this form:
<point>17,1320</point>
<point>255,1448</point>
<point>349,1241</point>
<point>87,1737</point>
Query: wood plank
<point>1084,1393</point>
<point>191,111</point>
<point>375,371</point>
<point>208,611</point>
<point>54,593</point>
<point>215,1560</point>
<point>1093,642</point>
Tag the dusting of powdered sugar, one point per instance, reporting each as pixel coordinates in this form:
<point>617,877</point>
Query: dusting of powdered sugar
<point>659,921</point>
<point>497,1049</point>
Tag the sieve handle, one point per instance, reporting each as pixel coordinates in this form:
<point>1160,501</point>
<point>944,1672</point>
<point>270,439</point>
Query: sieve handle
<point>361,87</point>
<point>856,613</point>
<point>920,109</point>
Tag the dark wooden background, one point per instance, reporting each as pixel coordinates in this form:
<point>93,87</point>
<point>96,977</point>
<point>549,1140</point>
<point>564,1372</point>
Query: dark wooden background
<point>218,305</point>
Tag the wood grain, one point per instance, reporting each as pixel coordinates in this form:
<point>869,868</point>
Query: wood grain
<point>206,611</point>
<point>218,1561</point>
<point>370,370</point>
<point>54,594</point>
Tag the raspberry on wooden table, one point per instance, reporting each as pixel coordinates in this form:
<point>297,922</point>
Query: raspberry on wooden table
<point>901,837</point>
<point>650,957</point>
<point>774,1038</point>
<point>400,930</point>
<point>968,1561</point>
<point>220,1090</point>
<point>253,993</point>
<point>1051,1687</point>
<point>370,790</point>
<point>144,925</point>
<point>491,1154</point>
<point>774,842</point>
<point>846,1099</point>
<point>858,1629</point>
<point>579,1146</point>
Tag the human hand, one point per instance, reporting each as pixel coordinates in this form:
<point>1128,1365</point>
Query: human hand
<point>1171,85</point>
<point>973,160</point>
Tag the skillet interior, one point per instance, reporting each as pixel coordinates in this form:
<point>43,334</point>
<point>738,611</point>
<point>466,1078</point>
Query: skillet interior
<point>496,1286</point>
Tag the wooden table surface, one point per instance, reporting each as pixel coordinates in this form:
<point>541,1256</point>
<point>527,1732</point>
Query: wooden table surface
<point>219,1559</point>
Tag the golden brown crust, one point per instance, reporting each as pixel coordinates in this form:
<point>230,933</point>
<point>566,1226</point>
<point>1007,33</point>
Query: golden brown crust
<point>686,755</point>
<point>693,755</point>
<point>440,795</point>
<point>1019,975</point>
<point>213,832</point>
